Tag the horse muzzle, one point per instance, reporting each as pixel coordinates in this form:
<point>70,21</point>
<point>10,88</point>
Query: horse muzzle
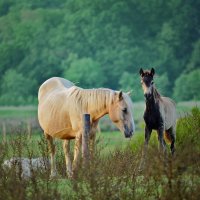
<point>128,132</point>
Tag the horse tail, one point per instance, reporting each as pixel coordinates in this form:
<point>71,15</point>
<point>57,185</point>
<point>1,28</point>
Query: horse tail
<point>167,137</point>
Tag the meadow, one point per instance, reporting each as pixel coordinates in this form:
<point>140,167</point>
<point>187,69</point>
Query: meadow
<point>115,172</point>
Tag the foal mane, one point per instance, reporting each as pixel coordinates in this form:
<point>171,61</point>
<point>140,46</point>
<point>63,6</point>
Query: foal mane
<point>156,94</point>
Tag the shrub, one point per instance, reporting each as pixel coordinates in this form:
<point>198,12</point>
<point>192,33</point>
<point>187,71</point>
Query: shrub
<point>119,174</point>
<point>188,131</point>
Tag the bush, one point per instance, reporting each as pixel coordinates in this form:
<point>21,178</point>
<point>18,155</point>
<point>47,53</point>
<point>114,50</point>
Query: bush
<point>188,132</point>
<point>115,175</point>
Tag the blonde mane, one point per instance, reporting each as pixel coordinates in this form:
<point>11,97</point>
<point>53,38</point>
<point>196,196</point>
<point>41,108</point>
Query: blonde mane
<point>99,98</point>
<point>91,98</point>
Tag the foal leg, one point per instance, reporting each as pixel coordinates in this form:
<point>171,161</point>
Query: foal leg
<point>52,155</point>
<point>66,149</point>
<point>147,137</point>
<point>173,138</point>
<point>160,132</point>
<point>77,150</point>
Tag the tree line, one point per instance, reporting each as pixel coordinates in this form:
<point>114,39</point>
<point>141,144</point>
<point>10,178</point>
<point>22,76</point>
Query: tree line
<point>99,43</point>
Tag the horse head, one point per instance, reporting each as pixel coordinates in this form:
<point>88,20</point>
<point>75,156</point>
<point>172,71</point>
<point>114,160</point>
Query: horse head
<point>120,112</point>
<point>147,81</point>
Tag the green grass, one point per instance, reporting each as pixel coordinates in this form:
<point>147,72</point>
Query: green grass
<point>107,142</point>
<point>138,109</point>
<point>116,174</point>
<point>21,112</point>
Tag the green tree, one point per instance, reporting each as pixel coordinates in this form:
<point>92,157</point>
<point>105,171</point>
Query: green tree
<point>162,84</point>
<point>131,82</point>
<point>187,86</point>
<point>194,62</point>
<point>39,39</point>
<point>16,89</point>
<point>85,72</point>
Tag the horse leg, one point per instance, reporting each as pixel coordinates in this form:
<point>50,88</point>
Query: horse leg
<point>52,155</point>
<point>77,150</point>
<point>147,137</point>
<point>92,139</point>
<point>173,138</point>
<point>66,149</point>
<point>160,132</point>
<point>92,145</point>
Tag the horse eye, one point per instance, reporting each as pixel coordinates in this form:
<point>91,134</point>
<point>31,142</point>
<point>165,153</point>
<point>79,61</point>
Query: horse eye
<point>125,110</point>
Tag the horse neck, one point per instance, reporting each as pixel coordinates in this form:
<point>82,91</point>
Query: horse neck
<point>153,101</point>
<point>100,107</point>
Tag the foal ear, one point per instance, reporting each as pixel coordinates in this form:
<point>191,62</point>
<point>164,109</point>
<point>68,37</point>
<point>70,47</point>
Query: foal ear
<point>152,71</point>
<point>120,95</point>
<point>141,72</point>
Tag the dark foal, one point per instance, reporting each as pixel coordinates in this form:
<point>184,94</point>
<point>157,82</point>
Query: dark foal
<point>160,112</point>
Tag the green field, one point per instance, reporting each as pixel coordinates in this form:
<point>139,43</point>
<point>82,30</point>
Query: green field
<point>138,109</point>
<point>115,172</point>
<point>20,112</point>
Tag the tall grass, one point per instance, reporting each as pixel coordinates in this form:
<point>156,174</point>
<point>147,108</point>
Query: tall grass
<point>113,175</point>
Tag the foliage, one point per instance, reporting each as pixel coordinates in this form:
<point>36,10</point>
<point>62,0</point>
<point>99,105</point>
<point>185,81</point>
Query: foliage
<point>187,86</point>
<point>162,84</point>
<point>81,72</point>
<point>41,39</point>
<point>118,174</point>
<point>188,129</point>
<point>131,82</point>
<point>16,88</point>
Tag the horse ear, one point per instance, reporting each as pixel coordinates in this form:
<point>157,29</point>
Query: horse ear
<point>129,93</point>
<point>152,71</point>
<point>120,95</point>
<point>141,72</point>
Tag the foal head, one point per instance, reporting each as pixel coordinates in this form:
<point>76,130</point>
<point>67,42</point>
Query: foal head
<point>147,81</point>
<point>120,112</point>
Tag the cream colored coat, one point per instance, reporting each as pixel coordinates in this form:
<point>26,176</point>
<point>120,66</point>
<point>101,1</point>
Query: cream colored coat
<point>55,108</point>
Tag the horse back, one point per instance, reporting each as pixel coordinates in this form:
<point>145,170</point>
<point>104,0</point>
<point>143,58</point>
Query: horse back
<point>168,112</point>
<point>53,84</point>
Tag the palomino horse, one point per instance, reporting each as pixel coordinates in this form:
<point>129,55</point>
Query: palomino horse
<point>60,110</point>
<point>160,113</point>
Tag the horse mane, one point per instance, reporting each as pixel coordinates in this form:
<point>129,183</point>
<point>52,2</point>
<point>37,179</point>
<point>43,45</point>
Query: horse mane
<point>94,98</point>
<point>156,94</point>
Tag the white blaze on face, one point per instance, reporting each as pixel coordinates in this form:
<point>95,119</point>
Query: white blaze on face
<point>146,90</point>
